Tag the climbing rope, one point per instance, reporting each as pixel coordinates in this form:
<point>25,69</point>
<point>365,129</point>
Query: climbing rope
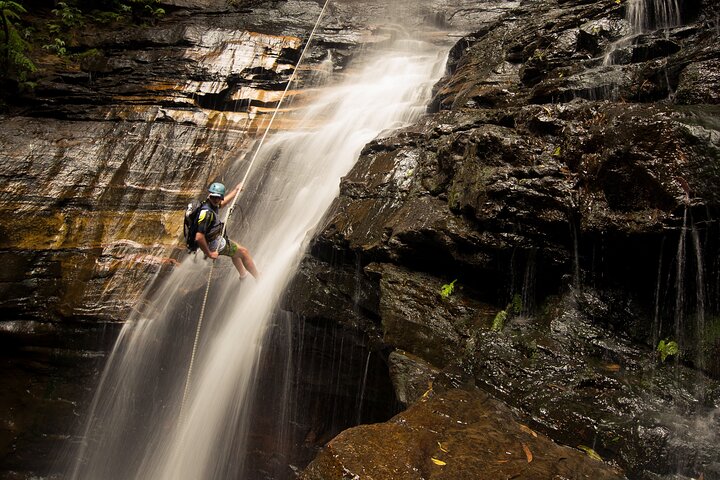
<point>232,207</point>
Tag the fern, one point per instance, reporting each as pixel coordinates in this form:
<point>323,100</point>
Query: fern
<point>447,289</point>
<point>667,348</point>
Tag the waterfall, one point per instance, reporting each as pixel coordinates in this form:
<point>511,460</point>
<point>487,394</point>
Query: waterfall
<point>680,280</point>
<point>133,430</point>
<point>645,15</point>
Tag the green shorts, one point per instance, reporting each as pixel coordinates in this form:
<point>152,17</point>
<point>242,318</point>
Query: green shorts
<point>229,249</point>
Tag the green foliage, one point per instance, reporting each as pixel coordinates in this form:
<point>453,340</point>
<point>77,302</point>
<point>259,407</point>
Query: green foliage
<point>16,63</point>
<point>447,289</point>
<point>666,348</point>
<point>68,17</point>
<point>499,321</point>
<point>68,20</point>
<point>513,309</point>
<point>72,15</point>
<point>57,47</point>
<point>142,10</point>
<point>516,305</point>
<point>88,54</point>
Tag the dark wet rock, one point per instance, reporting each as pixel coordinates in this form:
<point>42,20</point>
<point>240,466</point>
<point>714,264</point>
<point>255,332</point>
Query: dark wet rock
<point>603,83</point>
<point>411,376</point>
<point>416,318</point>
<point>571,199</point>
<point>642,49</point>
<point>451,434</point>
<point>562,193</point>
<point>47,367</point>
<point>101,158</point>
<point>343,381</point>
<point>699,83</point>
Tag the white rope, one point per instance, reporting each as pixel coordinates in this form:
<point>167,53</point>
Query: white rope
<point>232,207</point>
<point>195,343</point>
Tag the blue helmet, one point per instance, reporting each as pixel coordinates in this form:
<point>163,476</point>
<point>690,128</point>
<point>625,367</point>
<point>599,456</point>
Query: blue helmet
<point>217,190</point>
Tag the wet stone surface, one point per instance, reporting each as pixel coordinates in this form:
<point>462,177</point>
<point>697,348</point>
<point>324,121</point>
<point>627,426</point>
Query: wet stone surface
<point>558,187</point>
<point>451,434</point>
<point>573,198</point>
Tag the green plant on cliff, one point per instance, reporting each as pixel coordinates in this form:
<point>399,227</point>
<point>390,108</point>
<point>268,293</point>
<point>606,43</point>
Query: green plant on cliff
<point>667,348</point>
<point>516,305</point>
<point>513,309</point>
<point>17,65</point>
<point>68,20</point>
<point>447,289</point>
<point>67,17</point>
<point>499,321</point>
<point>57,46</point>
<point>141,11</point>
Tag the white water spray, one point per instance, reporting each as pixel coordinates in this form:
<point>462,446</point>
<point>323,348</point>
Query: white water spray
<point>644,16</point>
<point>133,431</point>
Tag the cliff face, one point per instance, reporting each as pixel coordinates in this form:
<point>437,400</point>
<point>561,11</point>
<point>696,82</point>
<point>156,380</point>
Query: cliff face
<point>567,180</point>
<point>575,195</point>
<point>100,160</point>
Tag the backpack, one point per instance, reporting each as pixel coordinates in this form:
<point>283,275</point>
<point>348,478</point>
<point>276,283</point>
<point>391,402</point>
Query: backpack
<point>191,224</point>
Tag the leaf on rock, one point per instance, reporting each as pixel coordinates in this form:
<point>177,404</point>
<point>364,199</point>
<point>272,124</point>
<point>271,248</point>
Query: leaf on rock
<point>438,462</point>
<point>590,453</point>
<point>527,429</point>
<point>528,453</point>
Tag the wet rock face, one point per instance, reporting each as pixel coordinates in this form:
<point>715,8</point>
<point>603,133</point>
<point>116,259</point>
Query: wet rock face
<point>325,378</point>
<point>451,434</point>
<point>543,166</point>
<point>101,158</point>
<point>567,178</point>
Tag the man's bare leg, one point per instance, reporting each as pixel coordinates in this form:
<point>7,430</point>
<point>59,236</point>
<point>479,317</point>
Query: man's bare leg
<point>244,263</point>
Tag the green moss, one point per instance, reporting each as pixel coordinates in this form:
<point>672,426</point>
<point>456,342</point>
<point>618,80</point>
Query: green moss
<point>499,321</point>
<point>516,305</point>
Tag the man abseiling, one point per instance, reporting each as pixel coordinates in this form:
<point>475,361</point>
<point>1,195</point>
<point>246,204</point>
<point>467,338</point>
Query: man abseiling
<point>209,230</point>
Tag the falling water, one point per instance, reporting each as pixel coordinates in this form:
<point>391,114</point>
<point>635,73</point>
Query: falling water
<point>133,430</point>
<point>680,279</point>
<point>644,15</point>
<point>699,282</point>
<point>362,388</point>
<point>657,319</point>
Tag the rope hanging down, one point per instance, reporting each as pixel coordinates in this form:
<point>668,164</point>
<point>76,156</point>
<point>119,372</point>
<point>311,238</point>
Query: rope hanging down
<point>232,207</point>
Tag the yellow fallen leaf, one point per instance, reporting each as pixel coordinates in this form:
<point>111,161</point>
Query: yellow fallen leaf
<point>590,453</point>
<point>438,462</point>
<point>442,448</point>
<point>528,453</point>
<point>527,429</point>
<point>428,391</point>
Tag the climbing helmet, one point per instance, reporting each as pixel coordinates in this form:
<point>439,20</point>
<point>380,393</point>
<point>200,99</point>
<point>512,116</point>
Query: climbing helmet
<point>217,190</point>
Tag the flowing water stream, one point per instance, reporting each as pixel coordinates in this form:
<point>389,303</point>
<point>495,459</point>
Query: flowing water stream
<point>134,430</point>
<point>644,16</point>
